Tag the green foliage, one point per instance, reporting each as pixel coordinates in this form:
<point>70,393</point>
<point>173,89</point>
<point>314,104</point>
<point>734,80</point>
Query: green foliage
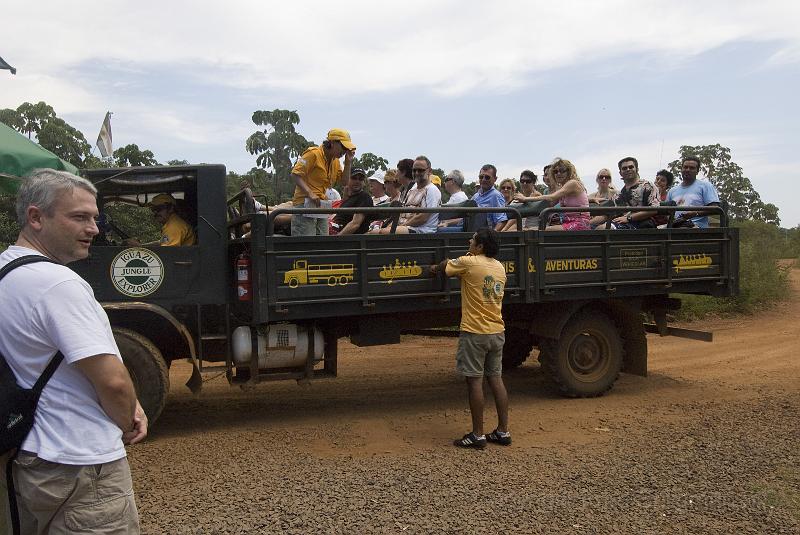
<point>277,146</point>
<point>64,141</point>
<point>762,280</point>
<point>370,163</point>
<point>733,186</point>
<point>131,156</point>
<point>135,221</point>
<point>8,222</point>
<point>177,162</point>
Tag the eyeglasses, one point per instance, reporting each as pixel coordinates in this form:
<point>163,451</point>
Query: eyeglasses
<point>448,179</point>
<point>506,188</point>
<point>603,177</point>
<point>560,170</point>
<point>485,177</point>
<point>627,168</point>
<point>418,171</point>
<point>526,181</point>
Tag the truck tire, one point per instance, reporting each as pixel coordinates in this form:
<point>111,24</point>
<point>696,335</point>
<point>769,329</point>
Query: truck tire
<point>587,358</point>
<point>147,369</point>
<point>519,344</point>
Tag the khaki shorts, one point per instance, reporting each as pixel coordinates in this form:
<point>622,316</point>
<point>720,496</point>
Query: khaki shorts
<point>59,499</point>
<point>480,355</point>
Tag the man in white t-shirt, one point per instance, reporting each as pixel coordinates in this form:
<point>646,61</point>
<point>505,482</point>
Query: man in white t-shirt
<point>423,194</point>
<point>88,410</point>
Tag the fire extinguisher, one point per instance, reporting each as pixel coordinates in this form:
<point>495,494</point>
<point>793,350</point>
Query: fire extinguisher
<point>243,286</point>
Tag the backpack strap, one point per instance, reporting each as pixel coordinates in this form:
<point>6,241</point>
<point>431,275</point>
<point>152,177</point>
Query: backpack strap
<point>58,357</point>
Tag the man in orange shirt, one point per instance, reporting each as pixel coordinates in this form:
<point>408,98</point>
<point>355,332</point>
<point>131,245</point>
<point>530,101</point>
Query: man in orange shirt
<point>480,344</point>
<point>315,171</point>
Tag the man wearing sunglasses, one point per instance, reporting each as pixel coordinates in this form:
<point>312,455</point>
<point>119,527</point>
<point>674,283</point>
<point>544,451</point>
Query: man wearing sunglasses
<point>488,197</point>
<point>423,194</point>
<point>175,232</point>
<point>634,193</point>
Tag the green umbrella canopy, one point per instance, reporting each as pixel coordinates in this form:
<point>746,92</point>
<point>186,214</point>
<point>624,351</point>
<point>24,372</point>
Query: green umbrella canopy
<point>19,156</point>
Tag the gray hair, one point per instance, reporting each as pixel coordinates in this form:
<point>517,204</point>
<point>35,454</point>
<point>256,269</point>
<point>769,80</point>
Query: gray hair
<point>42,187</point>
<point>425,159</point>
<point>457,177</point>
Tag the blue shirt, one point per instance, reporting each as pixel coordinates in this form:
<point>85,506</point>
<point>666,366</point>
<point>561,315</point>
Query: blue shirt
<point>491,199</point>
<point>699,193</point>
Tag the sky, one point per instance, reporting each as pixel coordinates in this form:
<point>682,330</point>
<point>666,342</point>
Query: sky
<point>463,82</point>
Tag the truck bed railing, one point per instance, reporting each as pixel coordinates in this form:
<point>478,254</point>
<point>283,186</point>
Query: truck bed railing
<point>545,214</point>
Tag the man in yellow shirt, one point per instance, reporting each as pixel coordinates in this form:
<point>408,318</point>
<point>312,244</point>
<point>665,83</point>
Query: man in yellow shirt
<point>480,344</point>
<point>315,171</point>
<point>174,230</point>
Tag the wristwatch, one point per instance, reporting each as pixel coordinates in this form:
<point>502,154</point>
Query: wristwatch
<point>628,218</point>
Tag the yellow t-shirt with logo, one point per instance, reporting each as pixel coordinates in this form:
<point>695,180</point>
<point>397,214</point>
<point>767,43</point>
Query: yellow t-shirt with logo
<point>318,173</point>
<point>177,232</point>
<point>483,282</point>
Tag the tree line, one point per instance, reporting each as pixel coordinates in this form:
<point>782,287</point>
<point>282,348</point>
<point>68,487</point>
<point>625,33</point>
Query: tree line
<point>277,143</point>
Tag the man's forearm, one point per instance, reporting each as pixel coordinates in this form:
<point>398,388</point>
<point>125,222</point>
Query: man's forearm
<point>118,400</point>
<point>417,220</point>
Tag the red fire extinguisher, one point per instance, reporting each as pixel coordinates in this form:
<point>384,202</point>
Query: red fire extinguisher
<point>243,286</point>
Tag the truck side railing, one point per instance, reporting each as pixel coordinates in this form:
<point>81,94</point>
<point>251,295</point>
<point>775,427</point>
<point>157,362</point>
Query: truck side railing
<point>545,214</point>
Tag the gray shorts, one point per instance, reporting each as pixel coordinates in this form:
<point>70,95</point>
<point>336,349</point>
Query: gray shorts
<point>480,355</point>
<point>309,226</point>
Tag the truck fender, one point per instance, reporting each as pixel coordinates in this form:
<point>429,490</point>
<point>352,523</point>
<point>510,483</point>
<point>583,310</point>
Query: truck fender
<point>160,327</point>
<point>627,316</point>
<point>550,318</point>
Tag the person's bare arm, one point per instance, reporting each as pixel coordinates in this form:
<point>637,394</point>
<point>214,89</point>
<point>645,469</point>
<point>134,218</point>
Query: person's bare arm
<point>114,388</point>
<point>353,225</point>
<point>348,163</point>
<point>417,220</point>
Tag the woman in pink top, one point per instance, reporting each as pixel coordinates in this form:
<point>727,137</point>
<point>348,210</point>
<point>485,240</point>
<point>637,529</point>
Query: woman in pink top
<point>570,193</point>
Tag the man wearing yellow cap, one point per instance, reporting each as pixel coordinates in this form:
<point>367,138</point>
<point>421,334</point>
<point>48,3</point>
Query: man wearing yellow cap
<point>174,230</point>
<point>315,171</point>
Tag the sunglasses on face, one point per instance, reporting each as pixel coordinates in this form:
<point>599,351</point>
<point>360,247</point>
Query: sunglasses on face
<point>506,188</point>
<point>603,177</point>
<point>524,181</point>
<point>560,171</point>
<point>448,179</point>
<point>418,171</point>
<point>485,177</point>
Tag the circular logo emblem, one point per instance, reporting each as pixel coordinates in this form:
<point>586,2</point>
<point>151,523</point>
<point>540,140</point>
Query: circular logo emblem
<point>137,272</point>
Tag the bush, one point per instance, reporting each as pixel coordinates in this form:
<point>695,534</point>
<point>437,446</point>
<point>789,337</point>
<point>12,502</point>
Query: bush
<point>762,281</point>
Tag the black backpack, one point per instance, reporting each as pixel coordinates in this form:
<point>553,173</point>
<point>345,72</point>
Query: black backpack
<point>17,404</point>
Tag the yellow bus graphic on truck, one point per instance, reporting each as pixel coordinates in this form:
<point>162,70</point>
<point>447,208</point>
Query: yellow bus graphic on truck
<point>331,274</point>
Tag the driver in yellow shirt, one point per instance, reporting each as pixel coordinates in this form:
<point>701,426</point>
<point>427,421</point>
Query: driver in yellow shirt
<point>175,231</point>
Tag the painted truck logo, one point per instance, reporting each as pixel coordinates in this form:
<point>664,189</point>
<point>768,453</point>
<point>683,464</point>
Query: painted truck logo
<point>400,270</point>
<point>331,274</point>
<point>692,261</point>
<point>137,272</point>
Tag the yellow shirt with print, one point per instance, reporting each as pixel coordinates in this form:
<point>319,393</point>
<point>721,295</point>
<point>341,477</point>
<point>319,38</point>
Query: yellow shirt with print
<point>177,233</point>
<point>318,173</point>
<point>483,282</point>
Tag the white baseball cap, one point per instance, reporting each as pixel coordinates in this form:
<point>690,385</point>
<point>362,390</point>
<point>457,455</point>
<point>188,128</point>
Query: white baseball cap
<point>377,176</point>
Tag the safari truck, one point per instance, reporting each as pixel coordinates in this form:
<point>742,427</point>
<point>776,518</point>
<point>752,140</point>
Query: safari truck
<point>260,306</point>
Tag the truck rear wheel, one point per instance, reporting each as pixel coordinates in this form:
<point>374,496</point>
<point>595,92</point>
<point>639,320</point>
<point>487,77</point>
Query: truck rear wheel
<point>147,369</point>
<point>519,344</point>
<point>587,358</point>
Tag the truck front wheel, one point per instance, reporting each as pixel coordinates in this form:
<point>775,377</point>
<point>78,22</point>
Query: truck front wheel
<point>587,358</point>
<point>147,369</point>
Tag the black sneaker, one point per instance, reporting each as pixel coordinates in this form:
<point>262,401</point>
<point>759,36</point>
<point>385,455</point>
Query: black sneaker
<point>496,438</point>
<point>470,441</point>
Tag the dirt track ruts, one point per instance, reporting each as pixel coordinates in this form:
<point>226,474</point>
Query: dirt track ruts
<point>707,443</point>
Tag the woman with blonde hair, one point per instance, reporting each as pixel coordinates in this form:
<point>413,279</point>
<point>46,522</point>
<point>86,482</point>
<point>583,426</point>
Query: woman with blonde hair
<point>605,189</point>
<point>508,189</point>
<point>571,193</point>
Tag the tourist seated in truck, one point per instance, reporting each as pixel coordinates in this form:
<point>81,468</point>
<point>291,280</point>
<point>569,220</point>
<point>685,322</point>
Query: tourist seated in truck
<point>664,181</point>
<point>635,192</point>
<point>423,194</point>
<point>570,193</point>
<point>508,189</point>
<point>357,198</point>
<point>175,231</point>
<point>527,194</point>
<point>605,189</point>
<point>377,188</point>
<point>392,186</point>
<point>487,196</point>
<point>692,192</point>
<point>453,185</point>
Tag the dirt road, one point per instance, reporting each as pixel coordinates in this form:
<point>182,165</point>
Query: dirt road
<point>707,443</point>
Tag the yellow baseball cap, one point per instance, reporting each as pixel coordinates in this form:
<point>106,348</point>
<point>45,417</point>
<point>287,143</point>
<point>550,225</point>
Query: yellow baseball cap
<point>343,136</point>
<point>162,199</point>
<point>435,179</point>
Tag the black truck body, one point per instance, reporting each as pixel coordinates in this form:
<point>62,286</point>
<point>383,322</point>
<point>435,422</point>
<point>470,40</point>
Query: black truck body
<point>584,299</point>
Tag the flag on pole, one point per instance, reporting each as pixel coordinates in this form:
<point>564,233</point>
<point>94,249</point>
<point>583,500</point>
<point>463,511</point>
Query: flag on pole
<point>104,137</point>
<point>4,65</point>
